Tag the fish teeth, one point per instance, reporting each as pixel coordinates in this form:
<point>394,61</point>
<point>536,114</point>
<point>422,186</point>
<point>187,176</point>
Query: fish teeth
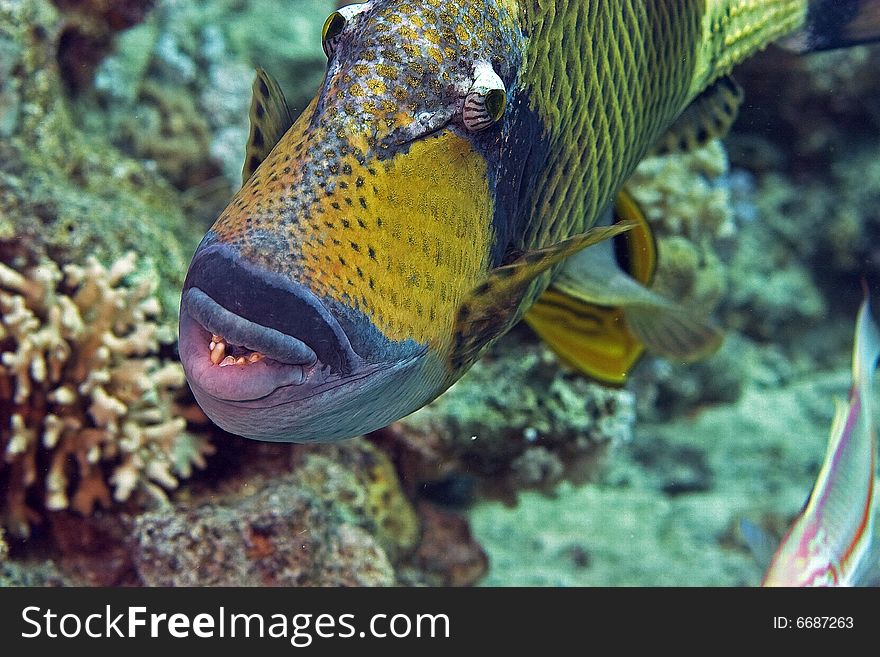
<point>217,347</point>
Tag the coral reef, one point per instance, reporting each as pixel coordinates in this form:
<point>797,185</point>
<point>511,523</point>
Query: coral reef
<point>31,573</point>
<point>65,194</point>
<point>177,90</point>
<point>448,554</point>
<point>692,218</point>
<point>666,510</point>
<point>274,515</point>
<point>802,110</point>
<point>87,34</point>
<point>517,419</point>
<point>284,535</point>
<point>809,132</point>
<point>87,402</point>
<point>367,481</point>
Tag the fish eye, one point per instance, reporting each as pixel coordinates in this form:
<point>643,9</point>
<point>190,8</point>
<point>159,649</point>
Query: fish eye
<point>496,100</point>
<point>336,23</point>
<point>333,27</point>
<point>485,103</point>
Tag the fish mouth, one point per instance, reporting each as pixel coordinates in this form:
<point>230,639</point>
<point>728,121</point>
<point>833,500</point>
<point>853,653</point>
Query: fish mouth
<point>246,332</point>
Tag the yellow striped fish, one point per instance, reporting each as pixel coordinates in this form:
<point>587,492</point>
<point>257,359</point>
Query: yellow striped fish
<point>453,167</point>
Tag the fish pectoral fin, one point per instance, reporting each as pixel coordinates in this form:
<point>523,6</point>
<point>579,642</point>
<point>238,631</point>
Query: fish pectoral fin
<point>672,331</point>
<point>709,116</point>
<point>270,118</point>
<point>599,316</point>
<point>490,309</point>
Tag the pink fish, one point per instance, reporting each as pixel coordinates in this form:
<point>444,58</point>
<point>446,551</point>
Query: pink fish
<point>829,543</point>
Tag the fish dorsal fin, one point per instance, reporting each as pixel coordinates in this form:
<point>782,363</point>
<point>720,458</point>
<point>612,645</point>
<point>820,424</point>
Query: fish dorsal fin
<point>490,309</point>
<point>709,116</point>
<point>599,316</point>
<point>270,119</point>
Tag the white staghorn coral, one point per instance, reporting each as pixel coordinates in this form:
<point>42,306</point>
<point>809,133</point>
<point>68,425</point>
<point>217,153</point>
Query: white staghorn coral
<point>86,402</point>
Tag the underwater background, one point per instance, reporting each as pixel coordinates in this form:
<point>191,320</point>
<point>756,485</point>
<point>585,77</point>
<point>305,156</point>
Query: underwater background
<point>122,134</point>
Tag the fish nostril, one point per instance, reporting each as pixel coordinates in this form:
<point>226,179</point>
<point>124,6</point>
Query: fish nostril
<point>271,301</point>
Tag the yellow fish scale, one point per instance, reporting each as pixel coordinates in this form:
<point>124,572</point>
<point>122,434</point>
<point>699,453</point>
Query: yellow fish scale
<point>410,272</point>
<point>406,255</point>
<point>608,76</point>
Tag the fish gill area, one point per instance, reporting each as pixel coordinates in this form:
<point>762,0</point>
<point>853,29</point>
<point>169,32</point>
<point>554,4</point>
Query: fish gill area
<point>122,133</point>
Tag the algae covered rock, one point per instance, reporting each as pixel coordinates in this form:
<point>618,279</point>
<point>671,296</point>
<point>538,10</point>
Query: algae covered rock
<point>519,418</point>
<point>93,250</point>
<point>282,536</point>
<point>337,517</point>
<point>66,194</point>
<point>177,89</point>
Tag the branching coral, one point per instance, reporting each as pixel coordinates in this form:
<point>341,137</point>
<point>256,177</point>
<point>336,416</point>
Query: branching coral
<point>87,402</point>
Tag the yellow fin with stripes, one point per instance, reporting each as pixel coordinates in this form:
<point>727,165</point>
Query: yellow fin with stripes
<point>599,315</point>
<point>592,339</point>
<point>709,116</point>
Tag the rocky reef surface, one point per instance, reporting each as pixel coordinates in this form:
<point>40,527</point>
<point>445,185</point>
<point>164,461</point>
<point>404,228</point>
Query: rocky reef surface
<point>122,130</point>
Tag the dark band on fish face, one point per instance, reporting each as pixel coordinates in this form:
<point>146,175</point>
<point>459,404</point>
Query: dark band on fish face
<point>522,150</point>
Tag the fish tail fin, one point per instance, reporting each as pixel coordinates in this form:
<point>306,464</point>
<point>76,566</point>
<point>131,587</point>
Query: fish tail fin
<point>836,24</point>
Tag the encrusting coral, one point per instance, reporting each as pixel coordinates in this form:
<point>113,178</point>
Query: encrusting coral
<point>86,400</point>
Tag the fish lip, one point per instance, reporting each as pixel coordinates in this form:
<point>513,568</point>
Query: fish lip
<point>232,383</point>
<point>238,330</point>
<point>264,312</point>
<point>244,297</point>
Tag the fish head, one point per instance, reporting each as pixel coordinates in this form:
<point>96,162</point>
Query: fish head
<point>321,304</point>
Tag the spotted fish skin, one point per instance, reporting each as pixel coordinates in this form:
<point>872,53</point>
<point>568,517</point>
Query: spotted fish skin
<point>352,259</point>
